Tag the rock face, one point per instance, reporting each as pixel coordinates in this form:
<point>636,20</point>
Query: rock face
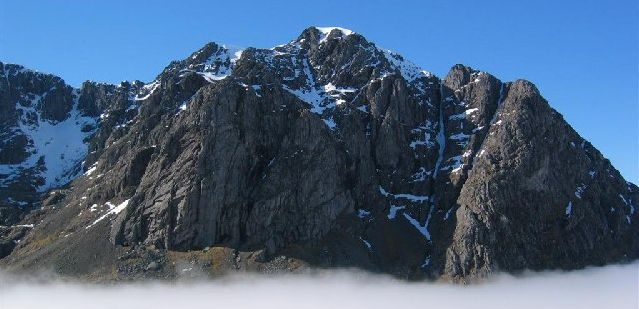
<point>327,151</point>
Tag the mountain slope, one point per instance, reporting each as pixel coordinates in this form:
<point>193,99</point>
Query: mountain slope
<point>328,151</point>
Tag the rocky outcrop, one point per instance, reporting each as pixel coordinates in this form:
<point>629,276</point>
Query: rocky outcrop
<point>327,151</point>
<point>539,196</point>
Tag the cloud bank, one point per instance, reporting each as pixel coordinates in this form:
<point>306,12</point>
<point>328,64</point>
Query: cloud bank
<point>607,287</point>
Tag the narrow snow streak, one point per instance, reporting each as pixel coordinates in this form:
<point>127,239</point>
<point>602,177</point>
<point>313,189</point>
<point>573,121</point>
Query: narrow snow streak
<point>367,243</point>
<point>410,197</point>
<point>423,229</point>
<point>392,212</point>
<point>441,136</point>
<point>569,209</point>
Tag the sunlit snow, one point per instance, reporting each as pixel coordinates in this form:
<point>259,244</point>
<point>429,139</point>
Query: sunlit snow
<point>60,145</point>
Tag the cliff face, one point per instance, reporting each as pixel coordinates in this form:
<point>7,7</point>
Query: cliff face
<point>324,152</point>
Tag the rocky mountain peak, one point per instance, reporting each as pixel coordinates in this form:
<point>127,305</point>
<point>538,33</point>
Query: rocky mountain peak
<point>325,151</point>
<point>460,75</point>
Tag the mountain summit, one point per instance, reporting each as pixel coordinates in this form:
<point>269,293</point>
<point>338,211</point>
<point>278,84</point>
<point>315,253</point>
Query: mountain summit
<point>327,151</point>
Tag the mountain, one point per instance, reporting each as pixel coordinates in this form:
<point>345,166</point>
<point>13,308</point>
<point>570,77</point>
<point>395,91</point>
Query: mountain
<point>328,151</point>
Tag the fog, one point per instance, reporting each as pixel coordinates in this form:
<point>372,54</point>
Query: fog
<point>608,287</point>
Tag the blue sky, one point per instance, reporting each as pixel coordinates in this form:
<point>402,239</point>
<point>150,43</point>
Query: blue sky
<point>582,55</point>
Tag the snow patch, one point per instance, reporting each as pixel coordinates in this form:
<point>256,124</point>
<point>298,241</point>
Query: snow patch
<point>463,115</point>
<point>330,122</point>
<point>113,210</point>
<point>456,164</point>
<point>361,213</point>
<point>580,190</point>
<point>420,175</point>
<point>459,137</point>
<point>337,93</point>
<point>91,169</point>
<point>56,148</point>
<point>569,209</point>
<point>29,226</point>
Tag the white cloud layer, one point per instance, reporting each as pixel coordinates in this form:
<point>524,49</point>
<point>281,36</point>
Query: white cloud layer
<point>608,287</point>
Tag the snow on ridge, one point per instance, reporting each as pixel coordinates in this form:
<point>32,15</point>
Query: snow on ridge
<point>409,70</point>
<point>325,94</point>
<point>327,30</point>
<point>218,66</point>
<point>149,89</point>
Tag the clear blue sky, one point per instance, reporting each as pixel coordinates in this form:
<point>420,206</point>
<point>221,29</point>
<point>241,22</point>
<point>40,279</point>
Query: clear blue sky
<point>583,55</point>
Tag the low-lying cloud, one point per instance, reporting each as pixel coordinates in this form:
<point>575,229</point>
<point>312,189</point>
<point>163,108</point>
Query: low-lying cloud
<point>607,287</point>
